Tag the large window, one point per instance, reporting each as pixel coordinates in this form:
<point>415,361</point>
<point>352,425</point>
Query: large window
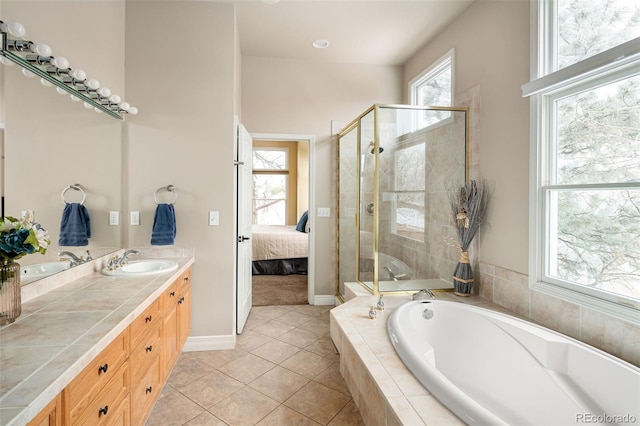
<point>434,87</point>
<point>585,95</point>
<point>270,183</point>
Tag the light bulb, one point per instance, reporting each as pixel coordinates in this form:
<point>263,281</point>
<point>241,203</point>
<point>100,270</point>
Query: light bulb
<point>41,49</point>
<point>16,29</point>
<point>75,98</point>
<point>114,99</point>
<point>60,62</point>
<point>104,92</point>
<point>125,106</point>
<point>45,83</point>
<point>27,73</point>
<point>87,105</point>
<point>78,74</point>
<point>93,84</point>
<point>133,110</point>
<point>61,91</point>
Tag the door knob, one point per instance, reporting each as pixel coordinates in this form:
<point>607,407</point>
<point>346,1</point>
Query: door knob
<point>242,238</point>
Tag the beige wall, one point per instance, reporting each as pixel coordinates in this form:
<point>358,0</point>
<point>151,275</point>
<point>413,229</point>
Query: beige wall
<point>491,39</point>
<point>184,136</point>
<point>303,97</point>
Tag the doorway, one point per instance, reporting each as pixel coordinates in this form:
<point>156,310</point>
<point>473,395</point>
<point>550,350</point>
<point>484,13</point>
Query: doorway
<point>283,237</point>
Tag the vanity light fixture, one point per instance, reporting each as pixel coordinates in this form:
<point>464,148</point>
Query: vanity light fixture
<point>37,59</point>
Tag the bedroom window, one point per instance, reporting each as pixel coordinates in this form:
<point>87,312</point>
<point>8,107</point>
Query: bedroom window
<point>434,87</point>
<point>585,182</point>
<point>275,183</point>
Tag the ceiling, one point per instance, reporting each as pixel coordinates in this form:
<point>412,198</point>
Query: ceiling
<point>359,31</point>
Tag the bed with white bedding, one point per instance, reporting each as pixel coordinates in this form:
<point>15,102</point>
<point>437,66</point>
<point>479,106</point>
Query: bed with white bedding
<point>279,250</point>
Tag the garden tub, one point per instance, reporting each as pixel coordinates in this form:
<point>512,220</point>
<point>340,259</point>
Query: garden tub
<point>490,368</point>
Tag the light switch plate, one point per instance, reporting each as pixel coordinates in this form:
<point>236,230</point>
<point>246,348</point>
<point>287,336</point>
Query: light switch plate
<point>134,218</point>
<point>214,218</point>
<point>114,218</point>
<point>324,212</point>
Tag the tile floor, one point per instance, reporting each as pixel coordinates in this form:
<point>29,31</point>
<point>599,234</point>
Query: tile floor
<point>283,371</point>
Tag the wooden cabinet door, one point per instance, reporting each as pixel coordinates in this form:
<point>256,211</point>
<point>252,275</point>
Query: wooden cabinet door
<point>51,415</point>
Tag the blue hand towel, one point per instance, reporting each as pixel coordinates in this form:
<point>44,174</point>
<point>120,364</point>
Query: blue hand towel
<point>75,226</point>
<point>164,225</point>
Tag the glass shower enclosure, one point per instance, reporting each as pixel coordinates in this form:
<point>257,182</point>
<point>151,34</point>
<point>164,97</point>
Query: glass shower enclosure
<point>395,227</point>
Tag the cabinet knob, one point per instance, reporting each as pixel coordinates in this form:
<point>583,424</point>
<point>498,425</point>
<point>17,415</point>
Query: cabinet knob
<point>149,389</point>
<point>103,369</point>
<point>181,300</point>
<point>186,278</point>
<point>149,348</point>
<point>148,319</point>
<point>173,293</point>
<point>103,411</point>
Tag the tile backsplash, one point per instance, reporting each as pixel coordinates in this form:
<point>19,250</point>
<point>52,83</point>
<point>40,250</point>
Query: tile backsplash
<point>511,290</point>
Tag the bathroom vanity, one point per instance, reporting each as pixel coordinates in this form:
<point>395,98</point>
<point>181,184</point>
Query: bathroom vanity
<point>96,350</point>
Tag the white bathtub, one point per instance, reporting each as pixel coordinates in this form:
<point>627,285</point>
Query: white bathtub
<point>494,369</point>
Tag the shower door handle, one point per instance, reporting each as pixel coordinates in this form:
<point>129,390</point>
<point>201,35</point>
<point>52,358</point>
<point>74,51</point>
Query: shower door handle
<point>242,238</point>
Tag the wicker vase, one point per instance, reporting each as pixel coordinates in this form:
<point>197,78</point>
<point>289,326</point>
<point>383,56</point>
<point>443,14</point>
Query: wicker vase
<point>463,276</point>
<point>10,303</point>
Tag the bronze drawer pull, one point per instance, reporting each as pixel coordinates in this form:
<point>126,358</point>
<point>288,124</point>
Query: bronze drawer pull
<point>181,300</point>
<point>103,368</point>
<point>148,319</point>
<point>103,411</point>
<point>149,389</point>
<point>149,348</point>
<point>173,293</point>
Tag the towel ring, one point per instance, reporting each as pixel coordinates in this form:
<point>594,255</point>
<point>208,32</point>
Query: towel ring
<point>169,188</point>
<point>77,187</point>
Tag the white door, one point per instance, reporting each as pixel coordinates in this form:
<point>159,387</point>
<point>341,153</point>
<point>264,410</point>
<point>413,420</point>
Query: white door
<point>243,235</point>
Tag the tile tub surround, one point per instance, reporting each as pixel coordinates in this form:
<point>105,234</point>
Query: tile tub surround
<point>62,329</point>
<point>383,389</point>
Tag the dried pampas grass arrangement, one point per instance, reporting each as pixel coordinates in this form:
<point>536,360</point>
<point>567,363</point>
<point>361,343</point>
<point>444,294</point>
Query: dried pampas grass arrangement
<point>468,206</point>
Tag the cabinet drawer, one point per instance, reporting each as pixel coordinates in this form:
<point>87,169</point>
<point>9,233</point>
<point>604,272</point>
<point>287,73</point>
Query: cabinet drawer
<point>84,389</point>
<point>185,281</point>
<point>144,353</point>
<point>145,392</point>
<point>170,297</point>
<point>147,320</point>
<point>106,408</point>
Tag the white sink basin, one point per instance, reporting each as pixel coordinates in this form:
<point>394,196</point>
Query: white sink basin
<point>143,267</point>
<point>40,270</point>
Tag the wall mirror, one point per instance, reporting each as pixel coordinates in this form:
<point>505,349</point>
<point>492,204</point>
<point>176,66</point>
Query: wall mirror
<point>49,143</point>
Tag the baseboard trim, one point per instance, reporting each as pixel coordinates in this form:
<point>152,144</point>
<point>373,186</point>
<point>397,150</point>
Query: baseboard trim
<point>324,299</point>
<point>209,343</point>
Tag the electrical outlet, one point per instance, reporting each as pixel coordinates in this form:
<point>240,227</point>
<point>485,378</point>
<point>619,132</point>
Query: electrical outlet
<point>214,218</point>
<point>114,218</point>
<point>134,218</point>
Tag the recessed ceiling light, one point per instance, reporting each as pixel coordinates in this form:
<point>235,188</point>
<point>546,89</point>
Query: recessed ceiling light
<point>320,44</point>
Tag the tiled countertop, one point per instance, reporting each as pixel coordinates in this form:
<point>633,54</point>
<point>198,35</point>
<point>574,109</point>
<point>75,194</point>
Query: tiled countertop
<point>61,331</point>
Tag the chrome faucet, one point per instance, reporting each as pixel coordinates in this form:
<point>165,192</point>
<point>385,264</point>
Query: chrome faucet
<point>125,258</point>
<point>423,294</point>
<point>74,260</point>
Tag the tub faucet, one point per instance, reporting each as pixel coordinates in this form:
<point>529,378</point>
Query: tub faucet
<point>423,294</point>
<point>73,259</point>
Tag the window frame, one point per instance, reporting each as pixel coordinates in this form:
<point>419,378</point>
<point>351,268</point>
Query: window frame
<point>546,86</point>
<point>274,172</point>
<point>429,74</point>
